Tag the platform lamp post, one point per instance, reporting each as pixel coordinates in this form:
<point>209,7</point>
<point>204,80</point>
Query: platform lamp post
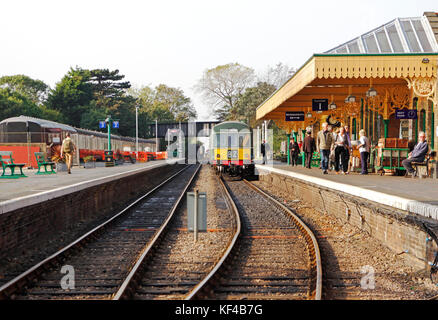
<point>156,135</point>
<point>109,154</point>
<point>136,130</point>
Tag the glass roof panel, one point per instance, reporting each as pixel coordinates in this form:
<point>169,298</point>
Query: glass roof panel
<point>354,47</point>
<point>397,36</point>
<point>371,44</point>
<point>394,37</point>
<point>383,41</point>
<point>418,26</point>
<point>410,36</point>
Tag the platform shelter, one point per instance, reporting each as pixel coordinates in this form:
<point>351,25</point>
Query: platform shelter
<point>384,81</point>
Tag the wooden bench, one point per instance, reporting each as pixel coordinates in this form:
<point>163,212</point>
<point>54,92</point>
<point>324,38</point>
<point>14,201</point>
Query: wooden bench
<point>417,165</point>
<point>8,162</point>
<point>42,161</point>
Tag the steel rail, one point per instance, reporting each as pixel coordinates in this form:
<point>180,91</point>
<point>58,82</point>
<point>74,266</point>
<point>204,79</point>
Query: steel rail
<point>32,273</point>
<point>196,292</point>
<point>314,251</point>
<point>126,289</point>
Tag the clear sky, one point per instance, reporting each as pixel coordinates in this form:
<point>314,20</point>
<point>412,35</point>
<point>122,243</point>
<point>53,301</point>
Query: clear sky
<point>174,41</point>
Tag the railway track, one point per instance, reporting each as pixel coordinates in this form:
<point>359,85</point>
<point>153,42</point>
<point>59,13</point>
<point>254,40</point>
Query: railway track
<point>276,256</point>
<point>100,260</point>
<point>174,267</point>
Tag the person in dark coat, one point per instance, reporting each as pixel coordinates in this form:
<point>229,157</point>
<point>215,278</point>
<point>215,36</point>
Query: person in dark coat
<point>294,151</point>
<point>418,154</point>
<point>309,147</point>
<point>263,151</point>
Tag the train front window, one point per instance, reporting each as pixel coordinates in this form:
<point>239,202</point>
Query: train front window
<point>228,139</point>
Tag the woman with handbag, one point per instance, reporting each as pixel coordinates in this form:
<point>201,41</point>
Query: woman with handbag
<point>341,152</point>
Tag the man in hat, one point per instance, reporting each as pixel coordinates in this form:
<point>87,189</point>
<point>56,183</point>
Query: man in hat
<point>308,148</point>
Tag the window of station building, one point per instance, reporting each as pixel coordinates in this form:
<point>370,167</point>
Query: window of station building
<point>385,47</point>
<point>370,42</point>
<point>410,36</point>
<point>418,26</point>
<point>394,37</point>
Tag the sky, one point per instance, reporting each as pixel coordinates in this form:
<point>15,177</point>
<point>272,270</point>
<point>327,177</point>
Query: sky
<point>174,41</point>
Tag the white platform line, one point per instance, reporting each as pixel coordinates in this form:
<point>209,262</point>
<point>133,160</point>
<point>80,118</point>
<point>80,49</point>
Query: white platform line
<point>17,203</point>
<point>409,205</point>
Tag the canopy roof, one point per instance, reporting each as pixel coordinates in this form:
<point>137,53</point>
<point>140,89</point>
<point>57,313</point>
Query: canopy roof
<point>334,77</point>
<point>402,35</point>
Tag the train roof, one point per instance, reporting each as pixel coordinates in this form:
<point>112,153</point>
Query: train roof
<point>41,122</point>
<point>230,125</point>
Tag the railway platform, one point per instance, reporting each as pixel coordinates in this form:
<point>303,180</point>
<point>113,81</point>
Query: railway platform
<point>401,213</point>
<point>45,205</point>
<point>418,196</point>
<point>18,193</point>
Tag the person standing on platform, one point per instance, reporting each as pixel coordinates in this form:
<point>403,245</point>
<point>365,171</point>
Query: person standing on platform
<point>68,149</point>
<point>294,151</point>
<point>308,148</point>
<point>364,149</point>
<point>350,148</point>
<point>263,151</point>
<point>324,142</point>
<point>417,155</point>
<point>341,151</point>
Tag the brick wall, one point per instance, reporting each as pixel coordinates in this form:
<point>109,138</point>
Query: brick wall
<point>397,229</point>
<point>26,226</point>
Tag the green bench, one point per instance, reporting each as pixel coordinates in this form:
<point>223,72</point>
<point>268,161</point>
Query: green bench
<point>316,159</point>
<point>8,162</point>
<point>42,161</point>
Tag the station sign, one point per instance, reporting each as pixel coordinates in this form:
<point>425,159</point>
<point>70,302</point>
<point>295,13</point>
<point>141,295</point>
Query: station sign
<point>294,116</point>
<point>404,114</point>
<point>320,104</point>
<point>102,124</point>
<point>116,124</point>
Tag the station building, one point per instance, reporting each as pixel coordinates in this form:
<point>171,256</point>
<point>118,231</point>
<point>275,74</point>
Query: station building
<point>384,81</point>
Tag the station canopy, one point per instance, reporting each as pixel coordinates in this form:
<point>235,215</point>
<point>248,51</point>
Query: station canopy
<point>383,69</point>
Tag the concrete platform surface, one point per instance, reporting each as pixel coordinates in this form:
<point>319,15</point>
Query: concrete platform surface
<point>16,193</point>
<point>414,195</point>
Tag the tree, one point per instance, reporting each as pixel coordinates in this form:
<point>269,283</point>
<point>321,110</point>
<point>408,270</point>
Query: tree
<point>175,101</point>
<point>14,104</point>
<point>35,90</point>
<point>163,103</point>
<point>72,95</point>
<point>107,88</point>
<point>246,106</point>
<point>223,85</point>
<point>91,116</point>
<point>277,75</point>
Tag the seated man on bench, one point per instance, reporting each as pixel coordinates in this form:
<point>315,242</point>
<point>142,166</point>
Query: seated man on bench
<point>417,155</point>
